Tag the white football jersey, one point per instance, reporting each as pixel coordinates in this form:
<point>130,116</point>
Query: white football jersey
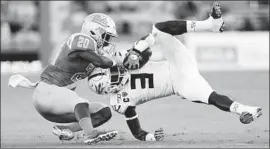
<point>150,82</point>
<point>172,70</point>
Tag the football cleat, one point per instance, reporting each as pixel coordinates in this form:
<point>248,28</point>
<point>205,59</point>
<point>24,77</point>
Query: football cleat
<point>99,137</point>
<point>249,116</point>
<point>218,24</point>
<point>63,134</point>
<point>216,11</point>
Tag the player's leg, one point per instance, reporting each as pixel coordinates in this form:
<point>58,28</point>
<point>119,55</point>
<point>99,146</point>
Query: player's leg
<point>225,103</point>
<point>214,23</point>
<point>66,132</point>
<point>54,100</point>
<point>189,83</point>
<point>98,112</point>
<point>197,89</point>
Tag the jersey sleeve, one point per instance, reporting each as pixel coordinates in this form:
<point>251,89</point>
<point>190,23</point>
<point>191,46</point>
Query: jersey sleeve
<point>80,41</point>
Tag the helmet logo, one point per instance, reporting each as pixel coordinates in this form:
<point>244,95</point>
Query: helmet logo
<point>124,94</point>
<point>100,20</point>
<point>100,30</point>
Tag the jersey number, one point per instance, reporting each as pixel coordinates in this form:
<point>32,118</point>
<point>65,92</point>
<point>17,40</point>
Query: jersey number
<point>142,77</point>
<point>83,42</point>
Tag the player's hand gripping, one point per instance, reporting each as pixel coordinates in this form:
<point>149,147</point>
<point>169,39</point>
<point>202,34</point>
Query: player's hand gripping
<point>159,134</point>
<point>132,60</point>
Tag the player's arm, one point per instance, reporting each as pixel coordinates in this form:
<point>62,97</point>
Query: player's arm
<point>84,47</point>
<point>92,57</point>
<point>135,127</point>
<point>141,50</point>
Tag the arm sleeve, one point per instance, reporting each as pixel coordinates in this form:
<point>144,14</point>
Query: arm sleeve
<point>134,124</point>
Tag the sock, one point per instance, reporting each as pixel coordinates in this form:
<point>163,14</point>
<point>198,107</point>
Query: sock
<point>237,108</point>
<point>175,27</point>
<point>83,116</point>
<point>86,125</point>
<point>220,101</point>
<point>199,26</point>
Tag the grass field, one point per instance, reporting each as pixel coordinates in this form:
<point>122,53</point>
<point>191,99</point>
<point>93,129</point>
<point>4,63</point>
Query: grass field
<point>186,124</point>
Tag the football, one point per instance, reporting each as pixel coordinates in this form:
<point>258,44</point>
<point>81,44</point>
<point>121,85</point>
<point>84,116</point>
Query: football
<point>143,57</point>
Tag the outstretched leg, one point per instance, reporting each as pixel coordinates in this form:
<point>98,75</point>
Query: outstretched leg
<point>225,103</point>
<point>187,81</point>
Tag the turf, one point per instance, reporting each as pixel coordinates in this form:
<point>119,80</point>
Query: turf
<point>186,124</point>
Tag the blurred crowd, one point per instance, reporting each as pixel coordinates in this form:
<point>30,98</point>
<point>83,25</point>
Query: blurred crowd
<point>20,19</point>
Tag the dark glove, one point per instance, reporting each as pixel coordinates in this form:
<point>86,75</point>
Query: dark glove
<point>132,59</point>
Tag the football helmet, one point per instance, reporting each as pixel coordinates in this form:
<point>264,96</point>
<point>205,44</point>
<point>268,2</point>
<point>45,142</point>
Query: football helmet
<point>101,28</point>
<point>105,81</point>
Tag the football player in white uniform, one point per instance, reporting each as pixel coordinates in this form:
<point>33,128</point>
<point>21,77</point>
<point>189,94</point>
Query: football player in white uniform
<point>172,70</point>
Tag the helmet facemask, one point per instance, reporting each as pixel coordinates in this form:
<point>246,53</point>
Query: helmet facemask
<point>104,43</point>
<point>102,29</point>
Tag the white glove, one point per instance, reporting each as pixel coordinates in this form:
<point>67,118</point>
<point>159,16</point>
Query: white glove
<point>159,134</point>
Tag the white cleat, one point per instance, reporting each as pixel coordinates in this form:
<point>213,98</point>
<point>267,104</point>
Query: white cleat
<point>63,134</point>
<point>250,115</point>
<point>101,136</point>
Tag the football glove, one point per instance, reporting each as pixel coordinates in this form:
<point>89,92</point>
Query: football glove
<point>132,59</point>
<point>159,134</point>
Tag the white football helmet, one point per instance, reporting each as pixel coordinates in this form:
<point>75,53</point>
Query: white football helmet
<point>104,81</point>
<point>101,28</point>
<point>99,81</point>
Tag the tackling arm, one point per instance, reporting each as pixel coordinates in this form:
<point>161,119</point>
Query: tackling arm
<point>134,124</point>
<point>92,57</point>
<point>84,47</point>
